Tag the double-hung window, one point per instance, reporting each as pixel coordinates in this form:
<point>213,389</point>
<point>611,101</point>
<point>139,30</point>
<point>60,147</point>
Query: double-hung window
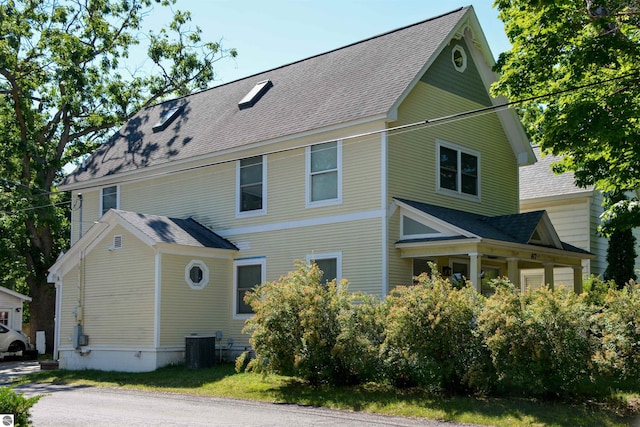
<point>324,174</point>
<point>330,264</point>
<point>109,199</point>
<point>458,170</point>
<point>248,273</point>
<point>251,178</point>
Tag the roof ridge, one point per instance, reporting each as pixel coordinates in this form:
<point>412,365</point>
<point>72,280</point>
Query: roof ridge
<point>433,18</point>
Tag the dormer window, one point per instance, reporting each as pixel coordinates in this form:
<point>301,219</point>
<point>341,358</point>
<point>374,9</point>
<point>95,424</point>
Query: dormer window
<point>255,94</point>
<point>166,118</point>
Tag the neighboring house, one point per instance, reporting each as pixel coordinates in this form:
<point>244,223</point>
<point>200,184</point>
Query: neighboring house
<point>11,306</point>
<point>574,211</point>
<point>195,201</point>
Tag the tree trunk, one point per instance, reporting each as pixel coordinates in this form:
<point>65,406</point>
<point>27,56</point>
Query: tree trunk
<point>42,310</point>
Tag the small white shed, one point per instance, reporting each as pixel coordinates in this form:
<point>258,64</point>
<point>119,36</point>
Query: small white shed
<point>11,308</point>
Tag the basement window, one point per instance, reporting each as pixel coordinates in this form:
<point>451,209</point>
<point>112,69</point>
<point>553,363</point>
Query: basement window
<point>166,118</point>
<point>255,94</point>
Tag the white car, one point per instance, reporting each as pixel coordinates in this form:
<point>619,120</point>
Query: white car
<point>12,341</point>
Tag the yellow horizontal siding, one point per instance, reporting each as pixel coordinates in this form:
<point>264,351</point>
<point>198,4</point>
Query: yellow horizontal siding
<point>118,292</point>
<point>359,242</point>
<point>69,302</point>
<point>412,153</point>
<point>185,310</point>
<point>209,193</point>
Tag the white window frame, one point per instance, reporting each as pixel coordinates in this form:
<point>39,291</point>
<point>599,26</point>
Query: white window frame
<point>102,198</point>
<point>458,193</point>
<point>205,274</point>
<point>329,255</point>
<point>242,262</point>
<point>460,49</point>
<point>326,202</point>
<point>255,212</point>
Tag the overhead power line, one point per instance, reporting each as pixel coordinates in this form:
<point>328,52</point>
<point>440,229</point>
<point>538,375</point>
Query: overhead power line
<point>396,129</point>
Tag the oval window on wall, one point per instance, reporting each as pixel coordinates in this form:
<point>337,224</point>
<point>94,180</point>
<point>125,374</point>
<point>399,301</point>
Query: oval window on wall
<point>459,58</point>
<point>196,274</point>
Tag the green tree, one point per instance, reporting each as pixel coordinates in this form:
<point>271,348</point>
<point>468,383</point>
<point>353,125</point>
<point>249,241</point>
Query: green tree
<point>63,87</point>
<point>587,54</point>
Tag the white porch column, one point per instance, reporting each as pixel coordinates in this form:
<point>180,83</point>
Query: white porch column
<point>548,274</point>
<point>474,270</point>
<point>512,272</point>
<point>577,279</point>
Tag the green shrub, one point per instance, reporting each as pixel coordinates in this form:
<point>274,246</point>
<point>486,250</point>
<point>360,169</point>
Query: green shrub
<point>362,332</point>
<point>617,325</point>
<point>431,336</point>
<point>597,290</point>
<point>18,405</point>
<point>539,341</point>
<point>296,325</point>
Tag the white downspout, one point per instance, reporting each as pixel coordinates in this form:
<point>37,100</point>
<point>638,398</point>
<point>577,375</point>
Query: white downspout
<point>385,218</point>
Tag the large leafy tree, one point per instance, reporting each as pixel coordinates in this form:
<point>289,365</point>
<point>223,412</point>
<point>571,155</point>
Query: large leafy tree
<point>586,55</point>
<point>64,84</point>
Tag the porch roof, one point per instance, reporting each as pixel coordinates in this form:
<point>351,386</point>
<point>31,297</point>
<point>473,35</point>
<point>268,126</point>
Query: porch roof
<point>514,228</point>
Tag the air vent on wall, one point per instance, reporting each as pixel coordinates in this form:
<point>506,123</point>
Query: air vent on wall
<point>255,94</point>
<point>117,242</point>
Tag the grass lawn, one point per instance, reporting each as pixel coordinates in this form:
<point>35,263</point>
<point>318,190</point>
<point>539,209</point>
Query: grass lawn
<point>223,381</point>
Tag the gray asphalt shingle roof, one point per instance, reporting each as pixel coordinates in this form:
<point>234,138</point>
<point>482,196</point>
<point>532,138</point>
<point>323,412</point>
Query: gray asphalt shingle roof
<point>185,232</point>
<point>538,180</point>
<point>515,228</point>
<point>358,81</point>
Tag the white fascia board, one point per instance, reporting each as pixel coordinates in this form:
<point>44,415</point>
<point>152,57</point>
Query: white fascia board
<point>228,155</point>
<point>192,251</point>
<point>481,54</point>
<point>14,294</point>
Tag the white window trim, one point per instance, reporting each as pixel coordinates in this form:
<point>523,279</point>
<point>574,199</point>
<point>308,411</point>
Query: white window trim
<point>329,255</point>
<point>102,197</point>
<point>256,212</point>
<point>327,202</point>
<point>240,262</point>
<point>458,193</point>
<point>416,218</point>
<point>458,48</point>
<point>205,274</point>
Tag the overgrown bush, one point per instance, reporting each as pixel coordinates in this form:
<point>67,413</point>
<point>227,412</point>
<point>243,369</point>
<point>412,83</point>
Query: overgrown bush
<point>362,332</point>
<point>297,324</point>
<point>432,339</point>
<point>18,405</point>
<point>617,326</point>
<point>539,340</point>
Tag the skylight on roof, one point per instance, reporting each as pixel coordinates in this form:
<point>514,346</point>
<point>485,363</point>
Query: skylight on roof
<point>255,94</point>
<point>166,118</point>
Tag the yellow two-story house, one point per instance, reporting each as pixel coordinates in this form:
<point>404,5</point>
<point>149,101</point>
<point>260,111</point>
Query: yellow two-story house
<point>370,160</point>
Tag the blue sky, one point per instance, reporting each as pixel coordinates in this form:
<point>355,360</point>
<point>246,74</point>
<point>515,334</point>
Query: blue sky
<point>271,33</point>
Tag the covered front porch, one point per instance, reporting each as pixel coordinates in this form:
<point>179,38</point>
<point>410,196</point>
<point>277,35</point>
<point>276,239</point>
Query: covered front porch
<point>478,248</point>
<point>479,261</point>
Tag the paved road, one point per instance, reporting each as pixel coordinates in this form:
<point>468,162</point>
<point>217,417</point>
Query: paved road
<point>66,405</point>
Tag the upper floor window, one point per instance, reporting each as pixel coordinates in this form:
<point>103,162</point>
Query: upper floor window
<point>324,174</point>
<point>459,58</point>
<point>248,273</point>
<point>110,199</point>
<point>251,178</point>
<point>458,170</point>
